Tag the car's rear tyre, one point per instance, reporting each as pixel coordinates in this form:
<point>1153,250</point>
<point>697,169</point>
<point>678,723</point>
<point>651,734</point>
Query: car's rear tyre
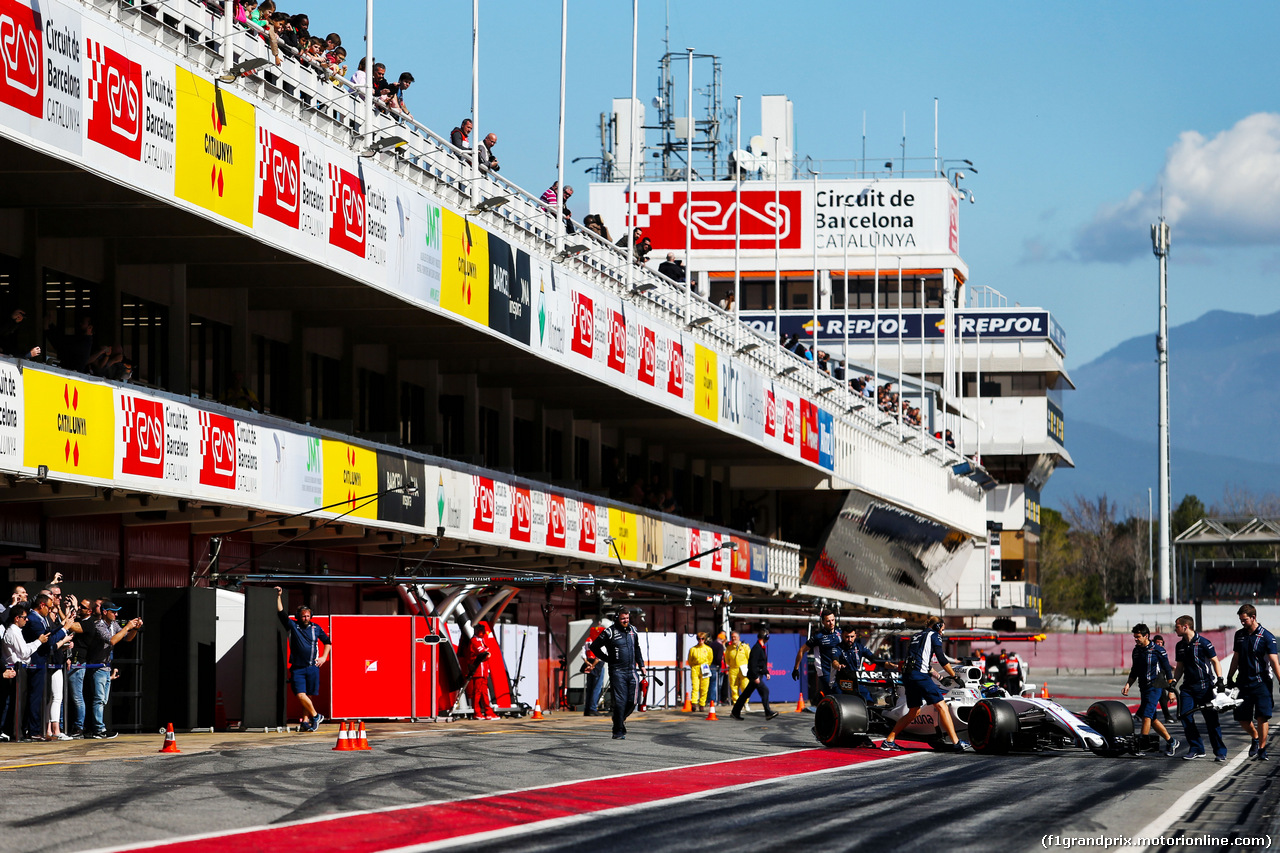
<point>1113,720</point>
<point>992,726</point>
<point>841,720</point>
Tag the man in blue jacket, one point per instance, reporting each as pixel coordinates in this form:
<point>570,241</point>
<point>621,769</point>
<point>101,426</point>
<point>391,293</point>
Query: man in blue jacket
<point>1254,660</point>
<point>1149,661</point>
<point>305,659</point>
<point>921,689</point>
<point>43,619</point>
<point>619,646</point>
<point>851,655</point>
<point>1201,672</point>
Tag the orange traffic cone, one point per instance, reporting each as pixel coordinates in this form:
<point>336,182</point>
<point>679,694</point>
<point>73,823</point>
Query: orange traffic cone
<point>711,714</point>
<point>362,740</point>
<point>537,712</point>
<point>170,741</point>
<point>688,705</point>
<point>344,740</point>
<point>219,714</point>
<point>800,704</point>
<point>1044,690</point>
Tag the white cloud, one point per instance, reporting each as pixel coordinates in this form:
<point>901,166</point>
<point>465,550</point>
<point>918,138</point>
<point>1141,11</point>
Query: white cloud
<point>1223,191</point>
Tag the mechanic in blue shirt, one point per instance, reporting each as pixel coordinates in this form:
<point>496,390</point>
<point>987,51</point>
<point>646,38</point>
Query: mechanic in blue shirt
<point>851,655</point>
<point>619,646</point>
<point>826,642</point>
<point>920,687</point>
<point>305,659</point>
<point>1254,661</point>
<point>1150,660</point>
<point>1201,672</point>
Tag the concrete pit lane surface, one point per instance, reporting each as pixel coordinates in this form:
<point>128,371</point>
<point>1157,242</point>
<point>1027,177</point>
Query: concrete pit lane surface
<point>675,783</point>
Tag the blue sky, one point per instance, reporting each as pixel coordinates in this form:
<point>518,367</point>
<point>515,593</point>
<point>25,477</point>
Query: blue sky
<point>1075,115</point>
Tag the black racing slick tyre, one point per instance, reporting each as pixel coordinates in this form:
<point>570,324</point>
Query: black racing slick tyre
<point>1113,720</point>
<point>992,726</point>
<point>841,720</point>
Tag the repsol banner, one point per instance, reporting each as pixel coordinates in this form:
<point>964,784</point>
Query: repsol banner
<point>862,325</point>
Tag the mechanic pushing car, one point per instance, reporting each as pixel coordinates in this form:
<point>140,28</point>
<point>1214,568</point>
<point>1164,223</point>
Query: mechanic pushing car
<point>921,688</point>
<point>1198,665</point>
<point>826,642</point>
<point>1255,659</point>
<point>851,655</point>
<point>1149,662</point>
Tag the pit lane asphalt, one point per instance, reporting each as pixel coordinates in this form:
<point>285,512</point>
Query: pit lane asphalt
<point>80,795</point>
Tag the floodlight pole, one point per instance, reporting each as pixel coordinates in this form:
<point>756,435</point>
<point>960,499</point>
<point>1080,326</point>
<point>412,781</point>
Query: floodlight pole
<point>1160,245</point>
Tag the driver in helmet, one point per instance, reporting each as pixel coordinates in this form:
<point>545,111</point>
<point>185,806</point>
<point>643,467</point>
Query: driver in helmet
<point>921,688</point>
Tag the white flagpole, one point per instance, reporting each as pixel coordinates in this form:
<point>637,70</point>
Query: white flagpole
<point>564,42</point>
<point>475,101</point>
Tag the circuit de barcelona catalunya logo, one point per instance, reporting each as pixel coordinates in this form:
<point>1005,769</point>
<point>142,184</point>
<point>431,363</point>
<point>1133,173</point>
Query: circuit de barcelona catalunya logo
<point>347,211</point>
<point>483,497</point>
<point>217,451</point>
<point>143,432</point>
<point>115,100</point>
<point>663,213</point>
<point>21,58</point>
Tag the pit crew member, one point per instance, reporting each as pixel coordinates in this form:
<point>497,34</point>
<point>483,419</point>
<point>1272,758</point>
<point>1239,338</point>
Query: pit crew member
<point>851,655</point>
<point>619,646</point>
<point>1252,664</point>
<point>1198,666</point>
<point>825,642</point>
<point>921,688</point>
<point>1149,661</point>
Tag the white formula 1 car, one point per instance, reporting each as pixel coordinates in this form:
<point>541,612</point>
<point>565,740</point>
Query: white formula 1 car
<point>987,716</point>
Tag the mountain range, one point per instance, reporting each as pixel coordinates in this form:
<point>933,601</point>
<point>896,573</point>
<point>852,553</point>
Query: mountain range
<point>1224,372</point>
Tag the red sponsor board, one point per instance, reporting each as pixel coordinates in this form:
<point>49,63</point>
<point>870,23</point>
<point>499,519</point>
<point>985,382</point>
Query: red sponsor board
<point>21,59</point>
<point>740,567</point>
<point>618,342</point>
<point>521,515</point>
<point>695,547</point>
<point>647,369</point>
<point>346,209</point>
<point>808,431</point>
<point>115,100</point>
<point>584,325</point>
<point>717,557</point>
<point>217,451</point>
<point>711,216</point>
<point>675,370</point>
<point>556,521</point>
<point>279,166</point>
<point>770,415</point>
<point>483,498</point>
<point>587,528</point>
<point>142,423</point>
<point>789,424</point>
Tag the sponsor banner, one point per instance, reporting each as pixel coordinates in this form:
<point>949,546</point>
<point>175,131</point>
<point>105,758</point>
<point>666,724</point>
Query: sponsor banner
<point>483,498</point>
<point>68,425</point>
<point>742,398</point>
<point>396,475</point>
<point>826,439</point>
<point>248,466</point>
<point>156,441</point>
<point>557,535</point>
<point>1056,426</point>
<point>759,562</point>
<point>740,560</point>
<point>589,538</point>
<point>217,452</point>
<point>616,320</point>
<point>706,393</point>
<point>292,187</point>
<point>291,469</point>
<point>718,559</point>
<point>348,210</point>
<point>623,527</point>
<point>782,421</point>
<point>216,149</point>
<point>41,72</point>
<point>522,519</point>
<point>423,254</point>
<point>899,217</point>
<point>464,278</point>
<point>993,324</point>
<point>502,509</point>
<point>12,416</point>
<point>350,476</point>
<point>383,224</point>
<point>552,321</point>
<point>509,299</point>
<point>649,540</point>
<point>808,432</point>
<point>675,543</point>
<point>454,502</point>
<point>130,109</point>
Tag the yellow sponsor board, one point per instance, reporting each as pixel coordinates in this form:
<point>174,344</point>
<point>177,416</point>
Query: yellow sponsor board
<point>70,425</point>
<point>622,527</point>
<point>706,391</point>
<point>464,275</point>
<point>216,153</point>
<point>350,479</point>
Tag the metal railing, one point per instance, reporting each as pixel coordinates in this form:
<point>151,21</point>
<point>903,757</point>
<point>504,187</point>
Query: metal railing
<point>192,28</point>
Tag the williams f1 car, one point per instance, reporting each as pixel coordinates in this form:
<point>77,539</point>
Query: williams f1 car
<point>991,719</point>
